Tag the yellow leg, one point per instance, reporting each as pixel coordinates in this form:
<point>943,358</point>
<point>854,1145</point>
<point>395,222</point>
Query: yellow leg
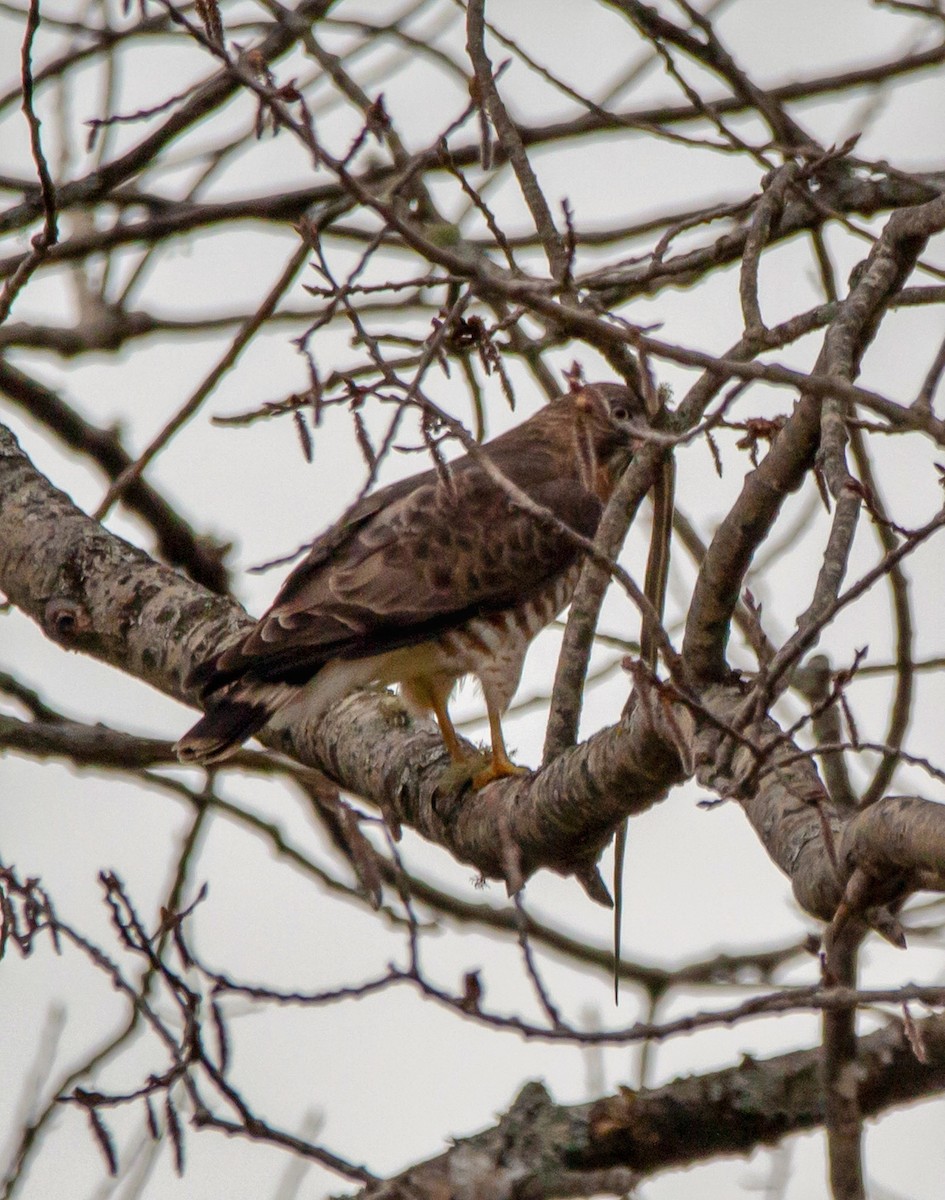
<point>500,765</point>
<point>427,693</point>
<point>447,730</point>
<point>431,693</point>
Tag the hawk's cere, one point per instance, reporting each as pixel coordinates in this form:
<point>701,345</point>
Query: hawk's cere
<point>430,579</point>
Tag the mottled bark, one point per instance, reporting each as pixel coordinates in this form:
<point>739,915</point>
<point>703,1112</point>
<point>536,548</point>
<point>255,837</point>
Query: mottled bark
<point>542,1149</point>
<point>93,592</point>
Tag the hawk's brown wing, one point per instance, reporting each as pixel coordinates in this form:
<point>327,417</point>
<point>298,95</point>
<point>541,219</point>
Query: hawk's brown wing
<point>424,558</point>
<point>415,561</point>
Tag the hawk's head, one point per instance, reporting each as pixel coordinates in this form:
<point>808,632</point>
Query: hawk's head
<point>609,421</point>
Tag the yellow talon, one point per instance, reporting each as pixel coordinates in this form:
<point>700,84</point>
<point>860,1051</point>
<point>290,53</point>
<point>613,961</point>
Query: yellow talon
<point>500,767</point>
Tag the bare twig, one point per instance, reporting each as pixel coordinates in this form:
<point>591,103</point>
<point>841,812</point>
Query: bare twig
<point>511,142</point>
<point>245,334</point>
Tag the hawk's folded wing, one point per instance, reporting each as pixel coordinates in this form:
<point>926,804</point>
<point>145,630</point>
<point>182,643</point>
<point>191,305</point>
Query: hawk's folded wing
<point>410,568</point>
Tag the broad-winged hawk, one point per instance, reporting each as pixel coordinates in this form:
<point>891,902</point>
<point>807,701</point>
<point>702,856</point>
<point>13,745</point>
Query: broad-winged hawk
<point>430,579</point>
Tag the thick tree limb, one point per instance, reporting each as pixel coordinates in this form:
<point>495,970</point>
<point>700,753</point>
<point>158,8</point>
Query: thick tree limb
<point>93,592</point>
<point>177,543</point>
<point>542,1149</point>
<point>792,455</point>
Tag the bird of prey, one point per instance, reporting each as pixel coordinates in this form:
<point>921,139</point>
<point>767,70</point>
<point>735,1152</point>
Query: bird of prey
<point>430,579</point>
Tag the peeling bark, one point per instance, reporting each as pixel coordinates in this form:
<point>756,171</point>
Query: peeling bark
<point>93,592</point>
<point>541,1149</point>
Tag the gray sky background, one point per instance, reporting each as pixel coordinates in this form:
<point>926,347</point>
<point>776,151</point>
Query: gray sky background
<point>392,1077</point>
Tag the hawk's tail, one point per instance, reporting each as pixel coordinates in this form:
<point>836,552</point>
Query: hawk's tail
<point>221,732</point>
<point>229,720</point>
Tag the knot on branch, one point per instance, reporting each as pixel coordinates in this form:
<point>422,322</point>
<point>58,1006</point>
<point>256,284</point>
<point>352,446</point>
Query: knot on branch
<point>66,621</point>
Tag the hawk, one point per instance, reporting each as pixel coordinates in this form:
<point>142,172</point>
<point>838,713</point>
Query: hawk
<point>430,579</point>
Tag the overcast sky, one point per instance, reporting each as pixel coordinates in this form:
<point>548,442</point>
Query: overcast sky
<point>390,1078</point>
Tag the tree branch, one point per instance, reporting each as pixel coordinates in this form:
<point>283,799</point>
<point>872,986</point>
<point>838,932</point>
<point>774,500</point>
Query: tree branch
<point>547,1150</point>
